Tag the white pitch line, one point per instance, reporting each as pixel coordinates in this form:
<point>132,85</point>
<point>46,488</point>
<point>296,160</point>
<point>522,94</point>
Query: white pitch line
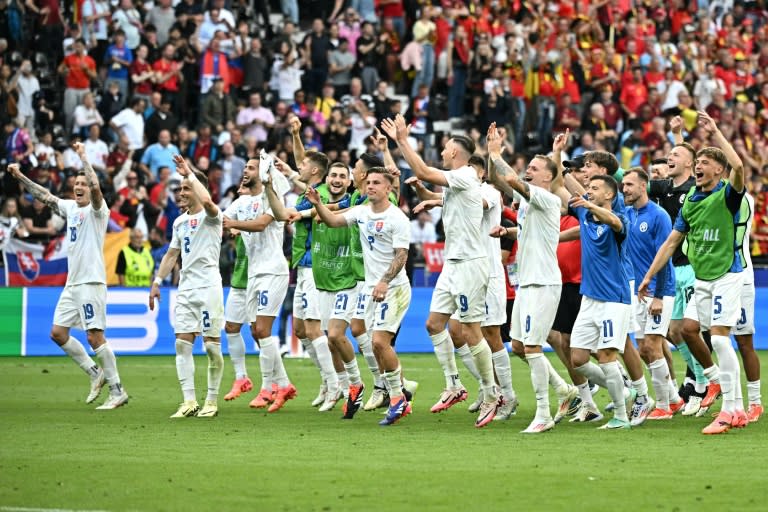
<point>28,509</point>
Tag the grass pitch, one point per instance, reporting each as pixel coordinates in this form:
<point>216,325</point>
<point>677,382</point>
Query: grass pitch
<point>56,452</point>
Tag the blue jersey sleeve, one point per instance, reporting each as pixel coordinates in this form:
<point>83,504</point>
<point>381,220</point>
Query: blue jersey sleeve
<point>304,204</point>
<point>681,224</point>
<point>345,203</point>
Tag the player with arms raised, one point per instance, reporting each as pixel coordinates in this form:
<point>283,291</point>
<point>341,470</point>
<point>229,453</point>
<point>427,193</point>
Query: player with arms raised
<point>200,302</point>
<point>83,301</point>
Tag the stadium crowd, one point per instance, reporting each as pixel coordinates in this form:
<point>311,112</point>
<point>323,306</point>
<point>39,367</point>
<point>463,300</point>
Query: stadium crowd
<point>218,81</point>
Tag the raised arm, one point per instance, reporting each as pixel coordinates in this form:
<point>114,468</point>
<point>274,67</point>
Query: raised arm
<point>573,186</point>
<point>503,176</point>
<point>294,125</point>
<point>183,168</point>
<point>601,214</point>
<point>676,127</point>
<point>256,225</point>
<point>561,140</point>
<point>334,220</point>
<point>275,203</point>
<point>97,199</point>
<point>39,192</point>
<point>737,166</point>
<point>422,192</point>
<point>398,131</point>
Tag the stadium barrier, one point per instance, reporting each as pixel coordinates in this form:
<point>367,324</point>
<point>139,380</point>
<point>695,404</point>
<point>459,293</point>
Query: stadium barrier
<point>27,313</point>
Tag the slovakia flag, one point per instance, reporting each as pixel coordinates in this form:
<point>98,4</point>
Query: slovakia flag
<point>29,264</point>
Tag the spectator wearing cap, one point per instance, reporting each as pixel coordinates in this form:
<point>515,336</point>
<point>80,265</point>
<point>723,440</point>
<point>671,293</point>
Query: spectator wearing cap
<point>128,19</point>
<point>118,59</point>
<point>162,118</point>
<point>129,123</point>
<point>255,120</point>
<point>218,109</point>
<point>157,155</point>
<point>168,73</point>
<point>78,70</point>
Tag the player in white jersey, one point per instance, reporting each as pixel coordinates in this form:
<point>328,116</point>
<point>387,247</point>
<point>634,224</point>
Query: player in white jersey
<point>539,276</point>
<point>463,282</point>
<point>267,282</point>
<point>83,301</point>
<point>199,305</point>
<point>385,233</point>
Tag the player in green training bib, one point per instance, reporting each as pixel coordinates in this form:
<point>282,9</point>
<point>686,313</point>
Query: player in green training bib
<point>708,222</point>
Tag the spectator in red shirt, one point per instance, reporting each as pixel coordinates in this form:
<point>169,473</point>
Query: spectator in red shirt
<point>634,93</point>
<point>168,74</point>
<point>565,115</point>
<point>78,70</point>
<point>142,75</point>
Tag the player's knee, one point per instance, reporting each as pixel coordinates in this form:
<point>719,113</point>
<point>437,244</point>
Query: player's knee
<point>357,328</point>
<point>95,338</point>
<point>231,328</point>
<point>518,349</point>
<point>690,330</point>
<point>675,333</point>
<point>579,358</point>
<point>745,344</point>
<point>59,335</point>
<point>259,332</point>
<point>433,327</point>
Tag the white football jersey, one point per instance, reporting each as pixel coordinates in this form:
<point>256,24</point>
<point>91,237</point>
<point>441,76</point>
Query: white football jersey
<point>749,271</point>
<point>265,248</point>
<point>491,218</point>
<point>538,234</point>
<point>198,237</point>
<point>8,226</point>
<point>86,229</point>
<point>463,216</point>
<point>380,234</point>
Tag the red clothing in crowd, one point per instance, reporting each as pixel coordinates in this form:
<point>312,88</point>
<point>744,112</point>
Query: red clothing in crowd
<point>569,253</point>
<point>76,77</point>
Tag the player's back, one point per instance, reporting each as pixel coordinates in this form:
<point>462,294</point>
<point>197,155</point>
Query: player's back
<point>86,229</point>
<point>198,238</point>
<point>463,216</point>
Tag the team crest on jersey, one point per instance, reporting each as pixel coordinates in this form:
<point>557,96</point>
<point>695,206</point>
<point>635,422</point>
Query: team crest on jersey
<point>193,223</point>
<point>28,265</point>
<point>600,230</point>
<point>370,226</point>
<point>77,219</point>
<point>643,227</point>
<point>379,225</point>
<point>255,206</point>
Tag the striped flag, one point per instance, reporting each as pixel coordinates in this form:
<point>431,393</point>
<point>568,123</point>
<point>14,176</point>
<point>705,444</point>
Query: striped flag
<point>28,264</point>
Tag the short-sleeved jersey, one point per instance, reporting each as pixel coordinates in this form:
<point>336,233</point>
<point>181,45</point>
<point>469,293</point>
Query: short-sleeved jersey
<point>603,276</point>
<point>538,235</point>
<point>618,206</point>
<point>649,228</point>
<point>380,234</point>
<point>358,266</point>
<point>463,216</point>
<point>198,237</point>
<point>491,218</point>
<point>264,248</point>
<point>86,229</point>
<point>671,199</point>
<point>743,229</point>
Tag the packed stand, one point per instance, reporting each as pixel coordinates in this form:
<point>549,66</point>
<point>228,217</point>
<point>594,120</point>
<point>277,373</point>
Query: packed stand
<point>218,81</point>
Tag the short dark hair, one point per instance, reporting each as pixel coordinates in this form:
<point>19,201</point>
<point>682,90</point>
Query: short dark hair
<point>658,161</point>
<point>690,149</point>
<point>603,159</point>
<point>383,171</point>
<point>370,160</point>
<point>640,172</point>
<point>715,154</point>
<point>465,142</point>
<point>476,160</point>
<point>320,160</point>
<point>549,164</point>
<point>608,181</point>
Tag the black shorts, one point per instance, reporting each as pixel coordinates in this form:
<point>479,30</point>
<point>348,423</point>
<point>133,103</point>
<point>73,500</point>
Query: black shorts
<point>505,328</point>
<point>568,308</point>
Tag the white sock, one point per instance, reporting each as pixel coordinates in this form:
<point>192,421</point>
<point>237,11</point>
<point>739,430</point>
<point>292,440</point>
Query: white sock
<point>366,347</point>
<point>325,362</point>
<point>674,397</point>
<point>306,344</point>
<point>236,345</point>
<point>712,373</point>
<point>585,394</point>
<point>641,385</point>
<point>109,365</point>
<point>185,369</point>
<point>739,406</point>
<point>593,372</point>
<point>729,371</point>
<point>540,381</point>
<point>554,378</point>
<point>753,392</point>
<point>394,384</point>
<point>615,384</point>
<point>673,381</point>
<point>279,376</point>
<point>353,372</point>
<point>466,357</point>
<point>660,379</point>
<point>215,369</point>
<point>481,353</point>
<point>76,351</point>
<point>343,383</point>
<point>444,352</point>
<point>699,387</point>
<point>267,353</point>
<point>504,372</point>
